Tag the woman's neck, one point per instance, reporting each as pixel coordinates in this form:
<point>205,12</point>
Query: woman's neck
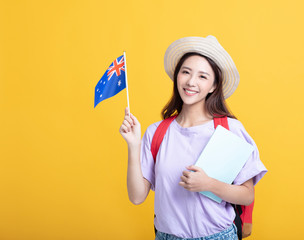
<point>193,115</point>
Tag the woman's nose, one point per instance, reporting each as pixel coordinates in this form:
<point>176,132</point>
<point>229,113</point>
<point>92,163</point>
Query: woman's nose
<point>191,81</point>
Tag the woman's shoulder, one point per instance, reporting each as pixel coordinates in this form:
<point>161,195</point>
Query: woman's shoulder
<point>153,126</point>
<point>238,128</point>
<point>235,124</point>
<point>151,129</point>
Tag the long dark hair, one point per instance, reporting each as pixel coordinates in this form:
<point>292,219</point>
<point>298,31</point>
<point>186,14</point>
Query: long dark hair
<point>215,102</point>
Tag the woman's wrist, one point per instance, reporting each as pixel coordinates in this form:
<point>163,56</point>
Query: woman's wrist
<point>212,184</point>
<point>134,153</point>
<point>134,146</point>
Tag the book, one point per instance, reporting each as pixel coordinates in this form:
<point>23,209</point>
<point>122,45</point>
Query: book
<point>223,157</point>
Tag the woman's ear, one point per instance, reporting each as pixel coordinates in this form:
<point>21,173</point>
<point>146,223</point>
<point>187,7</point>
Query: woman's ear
<point>213,88</point>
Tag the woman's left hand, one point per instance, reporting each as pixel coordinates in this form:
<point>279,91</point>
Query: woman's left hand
<point>195,180</point>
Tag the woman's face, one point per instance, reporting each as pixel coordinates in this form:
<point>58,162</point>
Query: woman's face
<point>195,80</point>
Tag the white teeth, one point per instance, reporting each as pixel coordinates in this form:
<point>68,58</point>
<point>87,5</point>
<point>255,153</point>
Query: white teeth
<point>191,92</point>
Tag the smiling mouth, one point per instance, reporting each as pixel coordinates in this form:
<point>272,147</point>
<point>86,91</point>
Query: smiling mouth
<point>189,92</point>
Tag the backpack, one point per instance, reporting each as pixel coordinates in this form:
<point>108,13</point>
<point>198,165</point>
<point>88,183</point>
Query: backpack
<point>243,218</point>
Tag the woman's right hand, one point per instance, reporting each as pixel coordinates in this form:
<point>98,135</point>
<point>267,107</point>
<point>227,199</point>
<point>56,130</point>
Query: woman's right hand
<point>130,129</point>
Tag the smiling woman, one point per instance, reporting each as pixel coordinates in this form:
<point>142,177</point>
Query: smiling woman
<point>206,69</point>
<point>203,75</point>
<point>195,80</point>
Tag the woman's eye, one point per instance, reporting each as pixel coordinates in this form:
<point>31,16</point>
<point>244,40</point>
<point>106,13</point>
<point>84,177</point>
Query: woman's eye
<point>202,76</point>
<point>185,72</point>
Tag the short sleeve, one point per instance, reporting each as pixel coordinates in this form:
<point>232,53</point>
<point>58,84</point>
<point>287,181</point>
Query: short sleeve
<point>253,168</point>
<point>146,158</point>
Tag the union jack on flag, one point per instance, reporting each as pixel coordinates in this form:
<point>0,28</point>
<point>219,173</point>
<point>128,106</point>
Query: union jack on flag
<point>116,67</point>
<point>112,81</point>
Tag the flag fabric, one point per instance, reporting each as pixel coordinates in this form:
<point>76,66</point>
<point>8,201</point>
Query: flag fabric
<point>112,82</point>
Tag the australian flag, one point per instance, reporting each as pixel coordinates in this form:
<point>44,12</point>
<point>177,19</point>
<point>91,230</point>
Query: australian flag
<point>112,82</point>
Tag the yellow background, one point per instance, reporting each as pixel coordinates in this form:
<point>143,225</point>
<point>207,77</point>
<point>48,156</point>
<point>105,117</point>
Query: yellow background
<point>63,163</point>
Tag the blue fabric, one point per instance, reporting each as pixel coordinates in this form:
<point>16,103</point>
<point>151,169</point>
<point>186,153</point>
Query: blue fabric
<point>112,82</point>
<point>228,234</point>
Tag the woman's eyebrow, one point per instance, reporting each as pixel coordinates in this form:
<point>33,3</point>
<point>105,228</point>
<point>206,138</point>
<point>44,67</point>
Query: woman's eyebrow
<point>199,71</point>
<point>187,68</point>
<point>204,73</point>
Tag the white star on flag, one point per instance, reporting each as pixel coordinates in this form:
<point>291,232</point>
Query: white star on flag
<point>119,82</point>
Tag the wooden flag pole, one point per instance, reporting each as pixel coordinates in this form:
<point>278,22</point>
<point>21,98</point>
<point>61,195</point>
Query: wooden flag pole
<point>125,59</point>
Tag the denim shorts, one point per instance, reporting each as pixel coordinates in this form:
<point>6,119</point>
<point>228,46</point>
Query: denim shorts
<point>228,234</point>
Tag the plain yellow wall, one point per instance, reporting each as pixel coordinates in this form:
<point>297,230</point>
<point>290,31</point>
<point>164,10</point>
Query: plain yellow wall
<point>63,163</point>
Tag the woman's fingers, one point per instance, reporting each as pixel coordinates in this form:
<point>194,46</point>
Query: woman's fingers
<point>128,117</point>
<point>129,121</point>
<point>186,173</point>
<point>127,125</point>
<point>123,129</point>
<point>127,111</point>
<point>184,185</point>
<point>134,119</point>
<point>130,124</point>
<point>184,179</point>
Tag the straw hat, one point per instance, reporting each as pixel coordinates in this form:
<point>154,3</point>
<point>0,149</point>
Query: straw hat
<point>208,47</point>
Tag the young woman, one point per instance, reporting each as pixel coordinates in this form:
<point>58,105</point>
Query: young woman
<point>204,75</point>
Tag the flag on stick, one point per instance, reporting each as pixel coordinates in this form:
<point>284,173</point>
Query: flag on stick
<point>112,82</point>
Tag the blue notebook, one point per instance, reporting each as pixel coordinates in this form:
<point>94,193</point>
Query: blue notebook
<point>223,157</point>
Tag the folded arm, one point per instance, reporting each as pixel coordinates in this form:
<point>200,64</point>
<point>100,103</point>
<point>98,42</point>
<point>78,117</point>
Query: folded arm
<point>196,180</point>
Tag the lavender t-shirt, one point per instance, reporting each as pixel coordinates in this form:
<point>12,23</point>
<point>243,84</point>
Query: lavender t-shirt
<point>178,211</point>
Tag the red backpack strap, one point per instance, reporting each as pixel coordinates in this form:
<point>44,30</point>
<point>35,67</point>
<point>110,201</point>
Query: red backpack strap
<point>223,121</point>
<point>159,135</point>
<point>247,219</point>
<point>247,213</point>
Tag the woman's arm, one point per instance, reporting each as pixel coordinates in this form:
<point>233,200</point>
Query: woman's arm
<point>138,186</point>
<point>196,180</point>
